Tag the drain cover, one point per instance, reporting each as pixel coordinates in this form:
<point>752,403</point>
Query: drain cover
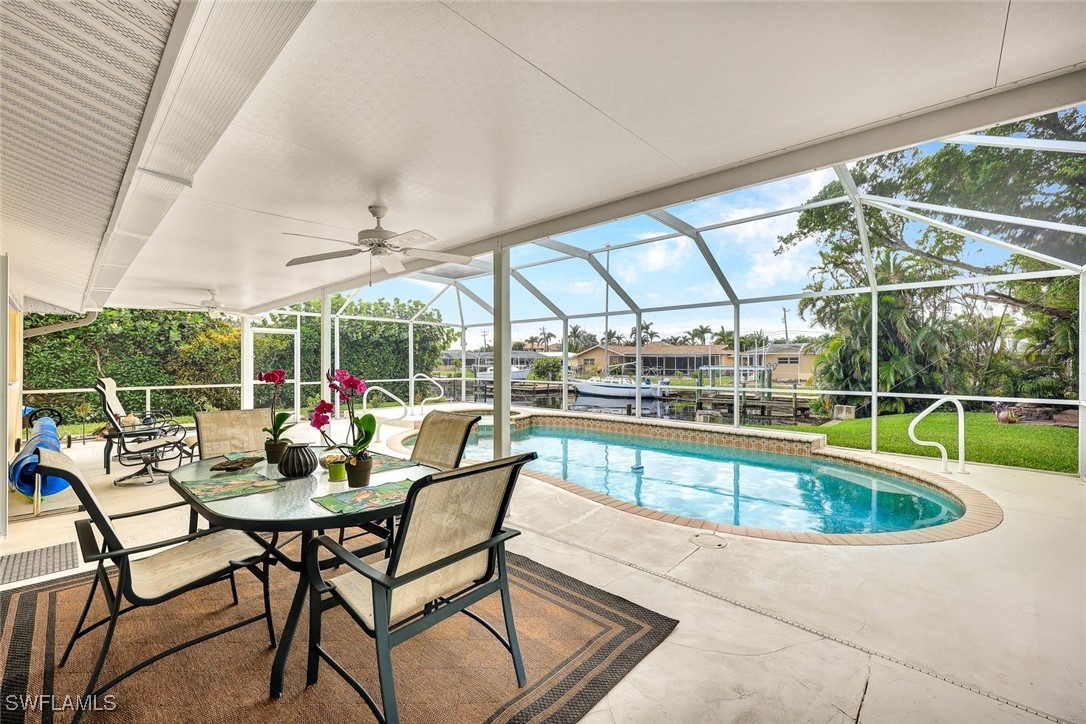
<point>708,540</point>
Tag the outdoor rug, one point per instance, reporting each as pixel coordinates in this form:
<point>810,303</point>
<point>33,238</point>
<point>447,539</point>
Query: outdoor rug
<point>38,562</point>
<point>577,642</point>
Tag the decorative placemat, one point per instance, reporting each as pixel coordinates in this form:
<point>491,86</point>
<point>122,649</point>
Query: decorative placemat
<point>384,463</point>
<point>231,485</point>
<point>357,500</point>
<point>244,454</point>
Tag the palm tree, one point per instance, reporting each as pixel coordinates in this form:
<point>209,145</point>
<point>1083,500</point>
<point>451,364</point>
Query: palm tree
<point>533,342</point>
<point>723,337</point>
<point>700,332</point>
<point>613,336</point>
<point>545,338</point>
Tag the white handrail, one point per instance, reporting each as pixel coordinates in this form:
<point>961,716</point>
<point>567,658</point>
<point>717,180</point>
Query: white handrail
<point>383,391</point>
<point>961,433</point>
<point>431,380</point>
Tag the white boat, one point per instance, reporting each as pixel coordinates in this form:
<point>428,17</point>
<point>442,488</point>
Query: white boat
<point>515,373</point>
<point>624,387</point>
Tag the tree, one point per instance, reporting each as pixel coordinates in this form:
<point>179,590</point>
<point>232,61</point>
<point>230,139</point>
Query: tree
<point>647,333</point>
<point>700,333</point>
<point>547,368</point>
<point>1049,186</point>
<point>724,337</point>
<point>545,338</point>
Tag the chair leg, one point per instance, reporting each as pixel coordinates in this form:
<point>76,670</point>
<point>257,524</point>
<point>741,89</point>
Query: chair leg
<point>79,625</point>
<point>266,581</point>
<point>510,628</point>
<point>234,587</point>
<point>384,659</point>
<point>114,612</point>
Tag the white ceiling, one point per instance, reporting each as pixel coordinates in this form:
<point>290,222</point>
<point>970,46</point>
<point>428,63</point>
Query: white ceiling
<point>471,119</point>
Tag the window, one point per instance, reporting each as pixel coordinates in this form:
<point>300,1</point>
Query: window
<point>788,360</point>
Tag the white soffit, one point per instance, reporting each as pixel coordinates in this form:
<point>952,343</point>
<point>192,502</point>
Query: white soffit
<point>218,64</point>
<point>472,120</point>
<point>75,79</point>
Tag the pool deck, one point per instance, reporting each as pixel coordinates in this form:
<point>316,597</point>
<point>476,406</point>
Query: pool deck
<point>990,627</point>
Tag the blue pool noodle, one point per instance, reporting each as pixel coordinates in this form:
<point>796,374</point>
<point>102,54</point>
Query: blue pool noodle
<point>21,471</point>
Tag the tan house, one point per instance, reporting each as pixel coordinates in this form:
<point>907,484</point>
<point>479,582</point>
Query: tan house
<point>789,362</point>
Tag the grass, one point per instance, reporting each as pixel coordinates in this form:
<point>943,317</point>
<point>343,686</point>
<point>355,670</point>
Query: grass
<point>1040,447</point>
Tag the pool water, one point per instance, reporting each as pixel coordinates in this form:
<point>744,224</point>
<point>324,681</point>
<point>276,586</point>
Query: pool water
<point>730,485</point>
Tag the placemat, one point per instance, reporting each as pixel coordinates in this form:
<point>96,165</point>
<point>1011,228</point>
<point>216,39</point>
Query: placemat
<point>357,500</point>
<point>384,463</point>
<point>231,485</point>
<point>244,454</point>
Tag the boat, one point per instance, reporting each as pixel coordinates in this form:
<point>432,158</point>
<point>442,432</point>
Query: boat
<point>624,387</point>
<point>515,373</point>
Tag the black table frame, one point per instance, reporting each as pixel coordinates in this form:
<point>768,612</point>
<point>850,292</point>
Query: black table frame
<point>379,521</point>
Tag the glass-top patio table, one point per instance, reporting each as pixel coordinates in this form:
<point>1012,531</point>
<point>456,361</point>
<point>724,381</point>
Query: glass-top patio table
<point>290,509</point>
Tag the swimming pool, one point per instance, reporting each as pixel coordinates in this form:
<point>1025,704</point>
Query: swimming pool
<point>730,485</point>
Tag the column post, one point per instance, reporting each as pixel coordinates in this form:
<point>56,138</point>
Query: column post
<point>246,363</point>
<point>503,352</point>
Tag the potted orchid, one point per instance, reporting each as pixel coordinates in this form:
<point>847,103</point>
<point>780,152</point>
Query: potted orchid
<point>360,434</point>
<point>276,445</point>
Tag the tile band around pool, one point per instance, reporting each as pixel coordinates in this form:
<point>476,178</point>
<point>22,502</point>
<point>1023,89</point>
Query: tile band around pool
<point>759,483</point>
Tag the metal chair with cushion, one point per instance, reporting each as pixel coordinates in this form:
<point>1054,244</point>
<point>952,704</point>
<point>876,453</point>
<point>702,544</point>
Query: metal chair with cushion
<point>226,431</point>
<point>154,439</point>
<point>449,553</point>
<point>442,439</point>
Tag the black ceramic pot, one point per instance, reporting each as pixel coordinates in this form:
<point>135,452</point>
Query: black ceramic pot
<point>298,461</point>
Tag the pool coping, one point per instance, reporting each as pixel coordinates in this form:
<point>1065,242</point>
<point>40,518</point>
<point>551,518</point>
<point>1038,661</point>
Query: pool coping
<point>981,512</point>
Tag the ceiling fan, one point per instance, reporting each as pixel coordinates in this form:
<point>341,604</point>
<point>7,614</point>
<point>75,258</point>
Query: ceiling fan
<point>384,245</point>
<point>214,308</point>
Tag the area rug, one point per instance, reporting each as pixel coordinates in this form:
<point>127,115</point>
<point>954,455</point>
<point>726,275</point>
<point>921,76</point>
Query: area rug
<point>38,562</point>
<point>577,642</point>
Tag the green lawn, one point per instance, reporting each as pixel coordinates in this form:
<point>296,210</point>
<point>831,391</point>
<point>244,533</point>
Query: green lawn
<point>986,440</point>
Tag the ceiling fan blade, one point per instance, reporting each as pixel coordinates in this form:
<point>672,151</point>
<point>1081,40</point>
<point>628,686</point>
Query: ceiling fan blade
<point>410,237</point>
<point>186,304</point>
<point>326,238</point>
<point>437,255</point>
<point>322,257</point>
<point>391,264</point>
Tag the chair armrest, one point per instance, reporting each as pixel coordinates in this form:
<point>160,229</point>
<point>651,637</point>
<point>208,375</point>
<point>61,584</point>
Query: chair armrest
<point>146,511</point>
<point>458,556</point>
<point>313,568</point>
<point>88,544</point>
<point>125,552</point>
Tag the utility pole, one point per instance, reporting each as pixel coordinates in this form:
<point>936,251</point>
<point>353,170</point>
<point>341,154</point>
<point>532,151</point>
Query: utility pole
<point>484,340</point>
<point>785,324</point>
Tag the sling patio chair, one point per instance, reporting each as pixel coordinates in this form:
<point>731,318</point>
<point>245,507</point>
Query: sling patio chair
<point>442,439</point>
<point>440,444</point>
<point>194,560</point>
<point>155,439</point>
<point>224,431</point>
<point>448,554</point>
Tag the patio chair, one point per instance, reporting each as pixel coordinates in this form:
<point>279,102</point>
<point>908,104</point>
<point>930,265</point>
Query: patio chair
<point>156,438</point>
<point>224,431</point>
<point>449,553</point>
<point>442,439</point>
<point>440,444</point>
<point>194,560</point>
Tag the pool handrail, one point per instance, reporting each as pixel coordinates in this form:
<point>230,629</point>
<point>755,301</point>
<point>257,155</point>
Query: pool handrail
<point>431,380</point>
<point>931,443</point>
<point>384,391</point>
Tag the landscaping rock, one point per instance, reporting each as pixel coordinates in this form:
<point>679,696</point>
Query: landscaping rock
<point>1067,418</point>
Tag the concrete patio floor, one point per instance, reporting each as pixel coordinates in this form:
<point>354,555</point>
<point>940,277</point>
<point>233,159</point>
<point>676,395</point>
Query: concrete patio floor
<point>986,628</point>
